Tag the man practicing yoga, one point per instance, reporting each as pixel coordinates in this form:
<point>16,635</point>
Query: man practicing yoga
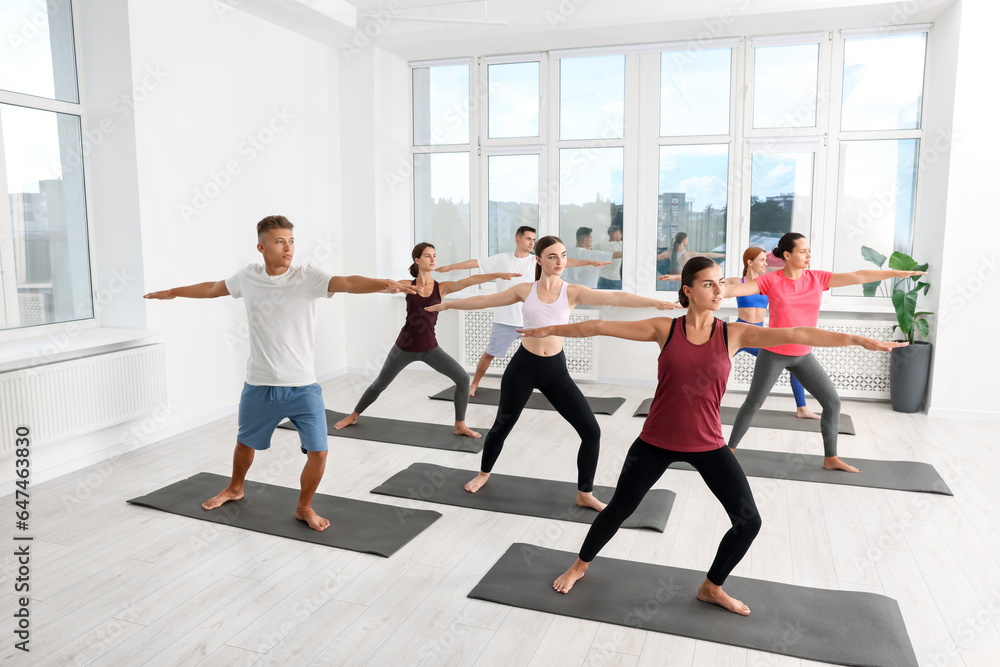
<point>281,380</point>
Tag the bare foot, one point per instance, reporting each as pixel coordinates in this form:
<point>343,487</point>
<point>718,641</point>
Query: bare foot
<point>587,499</point>
<point>315,521</point>
<point>224,497</point>
<point>349,420</point>
<point>709,592</point>
<point>462,429</point>
<point>565,582</point>
<point>806,413</point>
<point>477,483</point>
<point>472,389</point>
<point>834,463</point>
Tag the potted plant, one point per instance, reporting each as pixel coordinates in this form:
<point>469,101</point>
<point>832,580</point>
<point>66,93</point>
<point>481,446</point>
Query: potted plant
<point>909,366</point>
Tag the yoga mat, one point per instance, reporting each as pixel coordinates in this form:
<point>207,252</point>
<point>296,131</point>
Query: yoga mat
<point>768,419</point>
<point>897,475</point>
<point>399,432</point>
<point>354,524</point>
<point>840,627</point>
<point>485,396</point>
<point>544,498</point>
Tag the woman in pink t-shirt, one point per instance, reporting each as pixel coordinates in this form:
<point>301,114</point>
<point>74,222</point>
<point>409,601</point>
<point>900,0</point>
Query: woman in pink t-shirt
<point>794,294</point>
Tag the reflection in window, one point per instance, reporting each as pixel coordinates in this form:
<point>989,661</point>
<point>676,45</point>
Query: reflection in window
<point>877,198</point>
<point>591,195</point>
<point>513,198</point>
<point>883,82</point>
<point>780,198</point>
<point>441,204</point>
<point>694,92</point>
<point>441,105</point>
<point>37,53</point>
<point>45,254</point>
<point>691,207</point>
<point>592,97</point>
<point>785,85</point>
<point>513,100</point>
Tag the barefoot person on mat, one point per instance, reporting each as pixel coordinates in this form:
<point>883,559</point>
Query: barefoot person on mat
<point>683,422</point>
<point>281,381</point>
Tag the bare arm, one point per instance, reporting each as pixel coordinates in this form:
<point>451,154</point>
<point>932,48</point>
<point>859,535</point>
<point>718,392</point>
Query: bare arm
<point>573,263</point>
<point>590,297</point>
<point>467,264</point>
<point>746,335</point>
<point>741,289</point>
<point>861,277</point>
<point>459,285</point>
<point>655,329</point>
<point>209,290</point>
<point>362,285</point>
<point>505,298</point>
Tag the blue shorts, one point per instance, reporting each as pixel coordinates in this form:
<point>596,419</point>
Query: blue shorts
<point>501,338</point>
<point>263,407</point>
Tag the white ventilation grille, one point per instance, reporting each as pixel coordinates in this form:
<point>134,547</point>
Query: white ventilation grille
<point>581,353</point>
<point>70,398</point>
<point>856,372</point>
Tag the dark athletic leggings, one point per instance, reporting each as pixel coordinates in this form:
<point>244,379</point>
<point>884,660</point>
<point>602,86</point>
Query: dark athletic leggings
<point>644,464</point>
<point>437,359</point>
<point>526,372</point>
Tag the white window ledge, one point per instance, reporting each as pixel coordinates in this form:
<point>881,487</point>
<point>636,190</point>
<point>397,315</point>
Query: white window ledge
<point>70,344</point>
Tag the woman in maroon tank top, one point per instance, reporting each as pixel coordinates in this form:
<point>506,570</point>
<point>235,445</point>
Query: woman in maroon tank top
<point>683,422</point>
<point>417,342</point>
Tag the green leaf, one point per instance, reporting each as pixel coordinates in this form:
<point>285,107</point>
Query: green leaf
<point>873,256</point>
<point>905,304</point>
<point>923,327</point>
<point>922,267</point>
<point>924,287</point>
<point>902,262</point>
<point>871,288</point>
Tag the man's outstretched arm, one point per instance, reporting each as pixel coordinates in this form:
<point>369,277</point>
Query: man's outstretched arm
<point>362,285</point>
<point>209,290</point>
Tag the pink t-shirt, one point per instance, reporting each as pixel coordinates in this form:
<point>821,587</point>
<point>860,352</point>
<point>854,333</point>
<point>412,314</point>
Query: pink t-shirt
<point>793,303</point>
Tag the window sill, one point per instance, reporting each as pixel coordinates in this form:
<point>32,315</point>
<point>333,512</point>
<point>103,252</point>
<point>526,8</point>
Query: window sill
<point>70,344</point>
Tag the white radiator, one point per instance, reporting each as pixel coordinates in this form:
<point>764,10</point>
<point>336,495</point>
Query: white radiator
<point>581,353</point>
<point>70,398</point>
<point>856,372</point>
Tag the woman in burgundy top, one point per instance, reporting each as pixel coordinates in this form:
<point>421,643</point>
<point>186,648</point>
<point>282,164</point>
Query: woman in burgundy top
<point>416,341</point>
<point>683,422</point>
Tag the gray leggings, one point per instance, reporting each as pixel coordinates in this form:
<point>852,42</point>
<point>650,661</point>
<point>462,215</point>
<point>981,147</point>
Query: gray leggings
<point>437,359</point>
<point>812,376</point>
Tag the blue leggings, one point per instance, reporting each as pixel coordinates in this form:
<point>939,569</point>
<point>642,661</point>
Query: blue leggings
<point>797,391</point>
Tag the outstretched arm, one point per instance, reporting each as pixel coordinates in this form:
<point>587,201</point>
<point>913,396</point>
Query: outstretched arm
<point>505,298</point>
<point>208,290</point>
<point>655,329</point>
<point>362,285</point>
<point>467,264</point>
<point>573,263</point>
<point>741,289</point>
<point>459,285</point>
<point>861,277</point>
<point>590,297</point>
<point>746,335</point>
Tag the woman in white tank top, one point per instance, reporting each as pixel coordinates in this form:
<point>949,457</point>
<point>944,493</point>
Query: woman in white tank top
<point>540,363</point>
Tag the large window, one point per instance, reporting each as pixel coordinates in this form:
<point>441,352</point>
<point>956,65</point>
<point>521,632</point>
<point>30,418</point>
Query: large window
<point>45,270</point>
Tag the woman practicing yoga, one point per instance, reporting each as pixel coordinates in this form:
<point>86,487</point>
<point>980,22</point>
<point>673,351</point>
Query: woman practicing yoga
<point>416,341</point>
<point>794,294</point>
<point>541,364</point>
<point>683,422</point>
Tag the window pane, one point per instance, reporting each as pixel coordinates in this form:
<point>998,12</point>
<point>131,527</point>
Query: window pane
<point>37,55</point>
<point>441,105</point>
<point>590,196</point>
<point>592,97</point>
<point>441,204</point>
<point>694,92</point>
<point>784,85</point>
<point>780,198</point>
<point>877,202</point>
<point>513,198</point>
<point>691,207</point>
<point>883,82</point>
<point>513,96</point>
<point>50,278</point>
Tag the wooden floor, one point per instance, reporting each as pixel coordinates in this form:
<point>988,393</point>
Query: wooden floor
<point>115,584</point>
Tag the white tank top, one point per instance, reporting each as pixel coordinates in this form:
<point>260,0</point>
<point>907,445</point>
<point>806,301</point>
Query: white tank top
<point>538,314</point>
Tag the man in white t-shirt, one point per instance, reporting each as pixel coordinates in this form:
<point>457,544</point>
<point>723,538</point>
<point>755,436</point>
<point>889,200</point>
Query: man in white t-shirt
<point>281,381</point>
<point>611,276</point>
<point>507,319</point>
<point>584,250</point>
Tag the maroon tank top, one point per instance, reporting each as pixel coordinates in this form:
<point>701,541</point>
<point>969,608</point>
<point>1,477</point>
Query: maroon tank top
<point>691,380</point>
<point>417,334</point>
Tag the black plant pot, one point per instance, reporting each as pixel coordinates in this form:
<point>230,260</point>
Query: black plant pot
<point>909,368</point>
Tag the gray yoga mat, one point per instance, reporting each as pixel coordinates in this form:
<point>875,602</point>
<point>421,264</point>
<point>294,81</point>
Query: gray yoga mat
<point>399,432</point>
<point>896,475</point>
<point>601,405</point>
<point>544,498</point>
<point>839,627</point>
<point>768,419</point>
<point>355,525</point>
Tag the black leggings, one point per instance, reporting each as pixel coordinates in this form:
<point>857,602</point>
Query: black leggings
<point>644,465</point>
<point>527,372</point>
